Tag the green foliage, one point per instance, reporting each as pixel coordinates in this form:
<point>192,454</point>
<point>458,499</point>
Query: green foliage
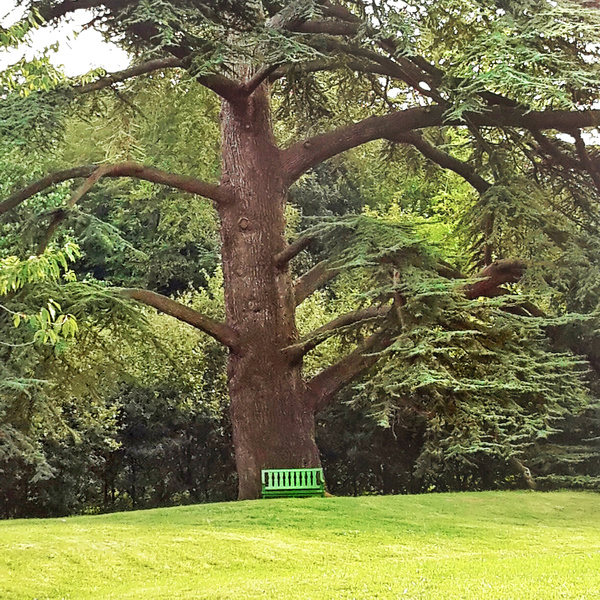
<point>34,118</point>
<point>330,189</point>
<point>49,324</point>
<point>34,95</point>
<point>28,76</point>
<point>131,415</point>
<point>15,34</point>
<point>71,441</point>
<point>131,232</point>
<point>50,266</point>
<point>485,381</point>
<point>28,334</point>
<point>362,241</point>
<point>516,48</point>
<point>571,455</point>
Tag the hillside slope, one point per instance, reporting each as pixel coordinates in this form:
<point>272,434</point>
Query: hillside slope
<point>516,545</point>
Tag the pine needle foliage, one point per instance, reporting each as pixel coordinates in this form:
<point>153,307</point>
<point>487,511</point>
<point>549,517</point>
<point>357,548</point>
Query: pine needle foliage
<point>523,45</point>
<point>484,382</point>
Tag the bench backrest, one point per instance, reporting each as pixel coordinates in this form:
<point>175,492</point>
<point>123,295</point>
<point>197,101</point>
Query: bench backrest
<point>282,480</point>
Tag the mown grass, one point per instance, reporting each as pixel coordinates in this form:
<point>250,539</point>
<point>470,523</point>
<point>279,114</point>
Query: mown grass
<point>513,545</point>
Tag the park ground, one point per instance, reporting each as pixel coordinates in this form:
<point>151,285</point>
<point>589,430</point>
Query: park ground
<point>486,545</point>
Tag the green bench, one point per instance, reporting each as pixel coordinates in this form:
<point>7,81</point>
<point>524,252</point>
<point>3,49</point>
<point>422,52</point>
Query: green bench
<point>292,483</point>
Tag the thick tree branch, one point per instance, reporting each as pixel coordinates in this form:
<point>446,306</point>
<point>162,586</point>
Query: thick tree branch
<point>312,280</point>
<point>223,86</point>
<point>135,71</point>
<point>57,11</point>
<point>446,270</point>
<point>220,331</point>
<point>262,75</point>
<point>284,257</point>
<point>306,154</point>
<point>182,182</point>
<point>324,386</point>
<point>585,158</point>
<point>39,186</point>
<point>336,11</point>
<point>490,278</point>
<point>329,27</point>
<point>314,66</point>
<point>549,148</point>
<point>313,339</point>
<point>493,276</point>
<point>228,89</point>
<point>444,160</point>
<point>60,216</point>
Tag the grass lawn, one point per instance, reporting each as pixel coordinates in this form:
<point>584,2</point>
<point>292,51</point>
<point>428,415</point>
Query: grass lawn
<point>514,545</point>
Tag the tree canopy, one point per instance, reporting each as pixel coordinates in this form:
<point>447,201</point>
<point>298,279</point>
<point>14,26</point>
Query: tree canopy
<point>474,333</point>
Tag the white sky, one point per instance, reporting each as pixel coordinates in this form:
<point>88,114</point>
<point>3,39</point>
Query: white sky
<point>79,51</point>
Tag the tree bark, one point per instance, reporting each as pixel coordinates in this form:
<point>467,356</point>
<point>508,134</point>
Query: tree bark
<point>271,414</point>
<point>126,169</point>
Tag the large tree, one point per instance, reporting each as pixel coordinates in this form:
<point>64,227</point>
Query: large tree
<point>508,75</point>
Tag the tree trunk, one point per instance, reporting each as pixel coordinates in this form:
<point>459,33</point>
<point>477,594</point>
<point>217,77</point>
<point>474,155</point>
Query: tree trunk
<point>271,413</point>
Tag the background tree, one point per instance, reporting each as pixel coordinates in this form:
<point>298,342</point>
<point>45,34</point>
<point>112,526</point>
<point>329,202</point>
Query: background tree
<point>506,76</point>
